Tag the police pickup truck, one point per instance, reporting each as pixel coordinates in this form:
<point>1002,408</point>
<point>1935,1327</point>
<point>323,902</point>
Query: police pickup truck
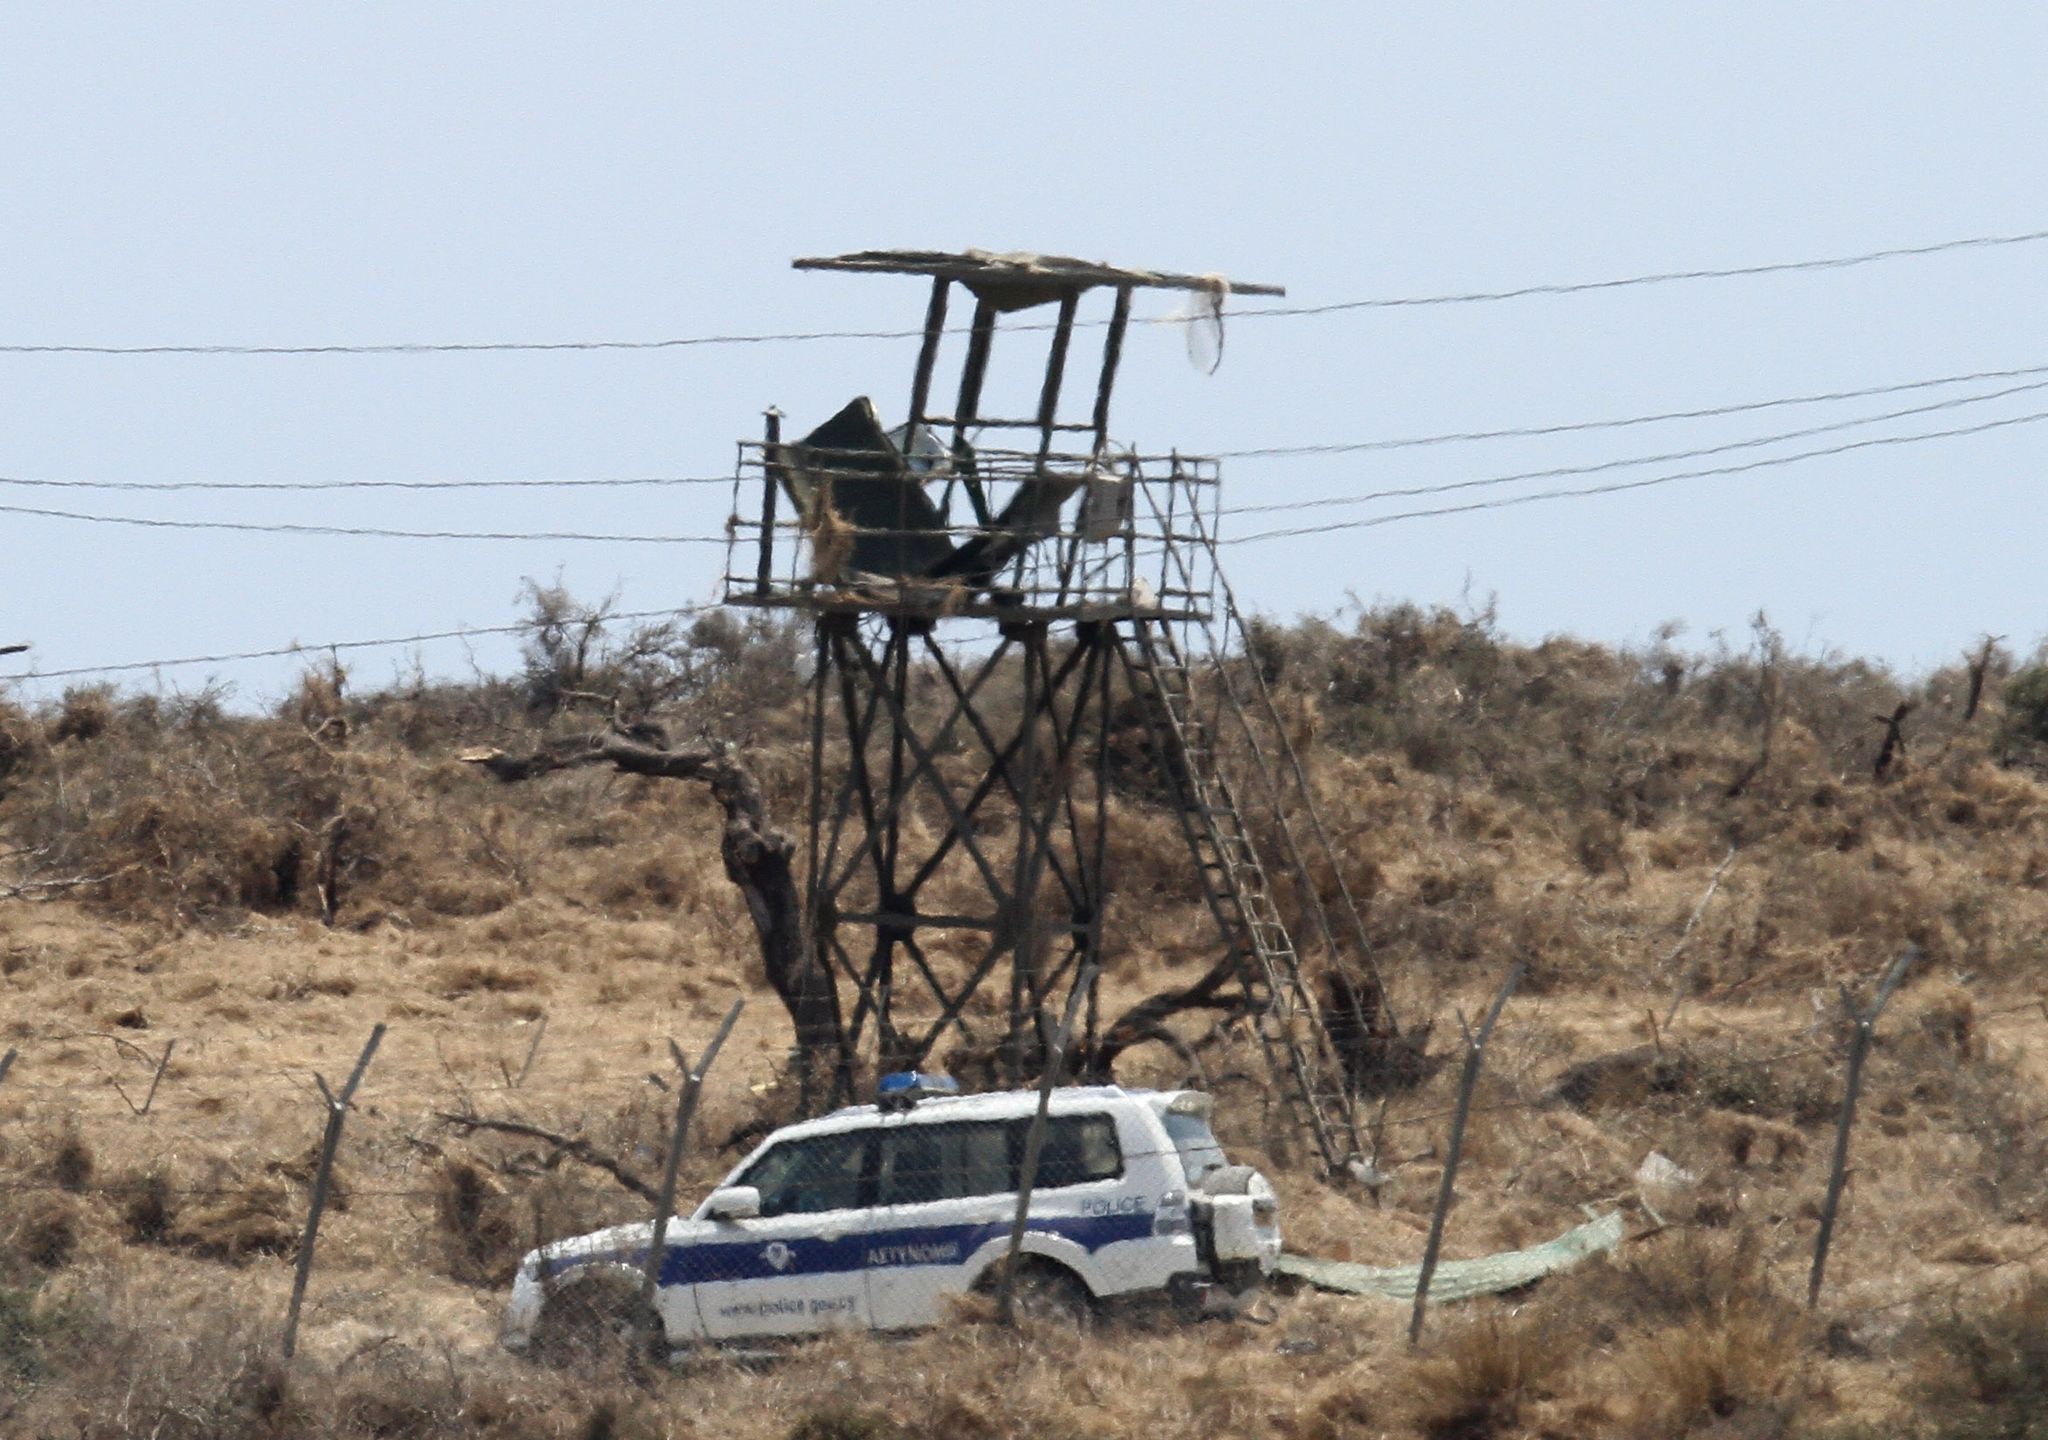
<point>877,1216</point>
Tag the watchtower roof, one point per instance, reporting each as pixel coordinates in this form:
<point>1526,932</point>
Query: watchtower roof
<point>1020,278</point>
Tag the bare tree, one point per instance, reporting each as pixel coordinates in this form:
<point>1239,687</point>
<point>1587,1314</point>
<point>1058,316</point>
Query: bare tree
<point>1769,649</point>
<point>1894,748</point>
<point>1979,666</point>
<point>758,859</point>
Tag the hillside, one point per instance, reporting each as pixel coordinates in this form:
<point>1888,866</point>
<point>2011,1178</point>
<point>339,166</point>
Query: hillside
<point>1709,832</point>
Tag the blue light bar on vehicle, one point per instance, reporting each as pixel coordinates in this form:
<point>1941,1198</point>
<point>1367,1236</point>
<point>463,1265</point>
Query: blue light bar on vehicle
<point>905,1088</point>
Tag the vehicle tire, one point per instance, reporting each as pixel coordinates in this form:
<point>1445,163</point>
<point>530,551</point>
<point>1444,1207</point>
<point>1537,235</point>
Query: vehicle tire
<point>1048,1294</point>
<point>599,1321</point>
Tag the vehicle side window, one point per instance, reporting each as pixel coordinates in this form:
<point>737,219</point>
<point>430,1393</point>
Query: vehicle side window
<point>1199,1152</point>
<point>960,1160</point>
<point>945,1162</point>
<point>1079,1149</point>
<point>811,1176</point>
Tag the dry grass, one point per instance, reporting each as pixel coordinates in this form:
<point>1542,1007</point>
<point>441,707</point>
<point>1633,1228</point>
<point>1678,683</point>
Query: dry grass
<point>1983,1369</point>
<point>265,888</point>
<point>1737,1364</point>
<point>1482,1373</point>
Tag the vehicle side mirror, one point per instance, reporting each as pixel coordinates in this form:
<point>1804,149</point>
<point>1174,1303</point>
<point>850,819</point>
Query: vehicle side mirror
<point>734,1202</point>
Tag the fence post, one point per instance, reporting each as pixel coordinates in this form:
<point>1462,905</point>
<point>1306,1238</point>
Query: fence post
<point>1683,986</point>
<point>1859,1050</point>
<point>771,468</point>
<point>155,1079</point>
<point>686,1107</point>
<point>532,1051</point>
<point>1034,1142</point>
<point>337,1111</point>
<point>1475,1053</point>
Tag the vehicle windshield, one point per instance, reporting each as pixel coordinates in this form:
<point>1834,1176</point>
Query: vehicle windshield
<point>811,1175</point>
<point>1196,1142</point>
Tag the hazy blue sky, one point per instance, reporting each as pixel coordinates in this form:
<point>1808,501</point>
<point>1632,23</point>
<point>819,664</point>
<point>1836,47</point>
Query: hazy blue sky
<point>257,174</point>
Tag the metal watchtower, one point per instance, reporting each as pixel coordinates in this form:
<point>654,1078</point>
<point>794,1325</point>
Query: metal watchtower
<point>984,613</point>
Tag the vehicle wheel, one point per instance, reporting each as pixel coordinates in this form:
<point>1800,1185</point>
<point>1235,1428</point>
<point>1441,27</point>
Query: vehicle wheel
<point>1046,1294</point>
<point>600,1321</point>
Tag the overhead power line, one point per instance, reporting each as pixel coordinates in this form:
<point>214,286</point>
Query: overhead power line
<point>1600,466</point>
<point>380,532</point>
<point>545,483</point>
<point>1499,503</point>
<point>1660,277</point>
<point>1266,452</point>
<point>1466,297</point>
<point>1617,487</point>
<point>469,347</point>
<point>388,642</point>
<point>1524,432</point>
<point>362,531</point>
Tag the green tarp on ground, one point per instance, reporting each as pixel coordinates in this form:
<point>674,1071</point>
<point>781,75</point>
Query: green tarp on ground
<point>1460,1279</point>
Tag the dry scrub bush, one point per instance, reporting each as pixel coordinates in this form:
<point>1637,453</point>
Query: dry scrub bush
<point>715,674</point>
<point>1735,1364</point>
<point>2026,706</point>
<point>41,1336</point>
<point>1675,1279</point>
<point>182,813</point>
<point>1581,764</point>
<point>1983,1368</point>
<point>236,1226</point>
<point>349,807</point>
<point>1490,802</point>
<point>479,1225</point>
<point>212,1210</point>
<point>70,1162</point>
<point>86,714</point>
<point>148,1209</point>
<point>99,1362</point>
<point>497,1196</point>
<point>41,1230</point>
<point>1694,1337</point>
<point>846,1422</point>
<point>21,741</point>
<point>1481,1372</point>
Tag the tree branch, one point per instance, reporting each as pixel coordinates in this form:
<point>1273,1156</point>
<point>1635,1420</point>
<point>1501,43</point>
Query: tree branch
<point>568,1145</point>
<point>759,859</point>
<point>1142,1021</point>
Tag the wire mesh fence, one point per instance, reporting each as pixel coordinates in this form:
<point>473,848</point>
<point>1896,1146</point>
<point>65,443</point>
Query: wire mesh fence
<point>901,1218</point>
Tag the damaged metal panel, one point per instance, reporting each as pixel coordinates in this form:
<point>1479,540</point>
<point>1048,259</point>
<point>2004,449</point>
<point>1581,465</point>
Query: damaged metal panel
<point>1460,1279</point>
<point>860,499</point>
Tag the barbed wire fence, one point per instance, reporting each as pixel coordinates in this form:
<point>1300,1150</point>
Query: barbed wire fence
<point>615,1157</point>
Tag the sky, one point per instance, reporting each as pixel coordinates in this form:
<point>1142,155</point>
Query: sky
<point>379,173</point>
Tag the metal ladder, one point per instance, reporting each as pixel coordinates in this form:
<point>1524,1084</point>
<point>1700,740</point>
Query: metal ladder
<point>1288,1020</point>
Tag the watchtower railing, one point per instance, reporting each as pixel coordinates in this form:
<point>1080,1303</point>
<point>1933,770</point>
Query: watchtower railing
<point>1067,536</point>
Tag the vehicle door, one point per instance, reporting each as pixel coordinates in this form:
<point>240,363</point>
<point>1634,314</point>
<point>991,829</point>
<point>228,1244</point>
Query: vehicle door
<point>944,1189</point>
<point>799,1266</point>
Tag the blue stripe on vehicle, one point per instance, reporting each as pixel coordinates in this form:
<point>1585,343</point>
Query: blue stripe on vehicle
<point>899,1248</point>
